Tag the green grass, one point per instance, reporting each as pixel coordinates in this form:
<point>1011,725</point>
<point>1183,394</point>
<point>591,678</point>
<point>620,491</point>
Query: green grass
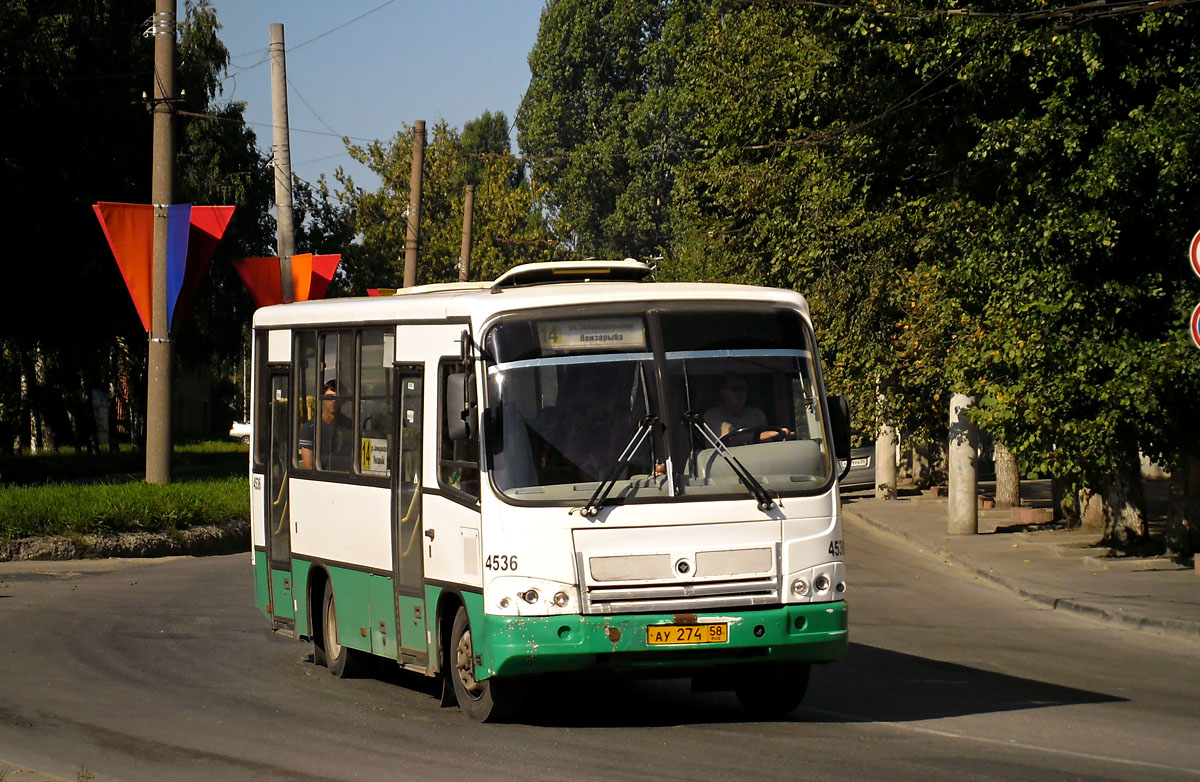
<point>65,494</point>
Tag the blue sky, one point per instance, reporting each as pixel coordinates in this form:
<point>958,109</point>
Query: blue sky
<point>403,60</point>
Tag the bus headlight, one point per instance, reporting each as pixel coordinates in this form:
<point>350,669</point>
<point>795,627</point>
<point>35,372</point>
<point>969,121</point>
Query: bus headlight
<point>821,584</point>
<point>525,596</point>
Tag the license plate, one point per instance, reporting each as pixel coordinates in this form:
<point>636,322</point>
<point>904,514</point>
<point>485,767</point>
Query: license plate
<point>669,635</point>
<point>859,462</point>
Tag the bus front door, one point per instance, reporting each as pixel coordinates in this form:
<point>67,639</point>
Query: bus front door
<point>409,574</point>
<point>279,539</point>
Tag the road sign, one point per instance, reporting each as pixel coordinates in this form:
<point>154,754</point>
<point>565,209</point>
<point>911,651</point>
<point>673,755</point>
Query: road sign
<point>1194,253</point>
<point>1195,324</point>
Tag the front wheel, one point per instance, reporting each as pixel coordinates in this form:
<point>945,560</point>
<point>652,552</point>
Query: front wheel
<point>343,662</point>
<point>772,691</point>
<point>479,699</point>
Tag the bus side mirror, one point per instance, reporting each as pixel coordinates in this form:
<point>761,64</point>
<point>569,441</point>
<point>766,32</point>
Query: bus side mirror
<point>839,422</point>
<point>460,406</point>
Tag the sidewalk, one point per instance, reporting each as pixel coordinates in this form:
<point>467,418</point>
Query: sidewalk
<point>1054,567</point>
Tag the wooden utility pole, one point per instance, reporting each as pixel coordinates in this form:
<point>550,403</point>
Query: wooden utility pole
<point>414,205</point>
<point>464,255</point>
<point>281,155</point>
<point>162,193</point>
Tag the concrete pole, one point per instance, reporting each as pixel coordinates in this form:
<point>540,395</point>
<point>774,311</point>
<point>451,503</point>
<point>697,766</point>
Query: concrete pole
<point>885,449</point>
<point>885,463</point>
<point>963,505</point>
<point>414,205</point>
<point>281,154</point>
<point>162,193</point>
<point>464,255</point>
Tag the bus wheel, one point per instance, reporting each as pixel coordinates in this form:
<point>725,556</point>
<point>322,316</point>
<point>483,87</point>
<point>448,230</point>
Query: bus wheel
<point>343,661</point>
<point>477,699</point>
<point>772,691</point>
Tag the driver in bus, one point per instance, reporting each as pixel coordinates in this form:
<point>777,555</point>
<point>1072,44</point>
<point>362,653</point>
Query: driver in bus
<point>337,431</point>
<point>733,416</point>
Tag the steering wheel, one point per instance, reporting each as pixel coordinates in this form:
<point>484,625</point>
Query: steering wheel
<point>754,434</point>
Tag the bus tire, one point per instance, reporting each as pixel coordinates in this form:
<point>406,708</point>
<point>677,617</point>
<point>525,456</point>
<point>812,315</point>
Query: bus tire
<point>478,699</point>
<point>343,662</point>
<point>772,691</point>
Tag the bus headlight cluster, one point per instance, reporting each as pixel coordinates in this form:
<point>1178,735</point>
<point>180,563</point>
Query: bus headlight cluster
<point>521,596</point>
<point>823,583</point>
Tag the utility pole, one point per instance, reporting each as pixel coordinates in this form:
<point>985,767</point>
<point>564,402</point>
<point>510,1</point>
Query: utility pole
<point>464,255</point>
<point>414,205</point>
<point>162,193</point>
<point>281,154</point>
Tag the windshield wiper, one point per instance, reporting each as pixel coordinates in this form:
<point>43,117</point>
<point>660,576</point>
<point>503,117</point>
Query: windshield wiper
<point>635,442</point>
<point>765,502</point>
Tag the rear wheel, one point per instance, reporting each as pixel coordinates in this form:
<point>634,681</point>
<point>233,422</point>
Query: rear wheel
<point>479,699</point>
<point>772,691</point>
<point>343,661</point>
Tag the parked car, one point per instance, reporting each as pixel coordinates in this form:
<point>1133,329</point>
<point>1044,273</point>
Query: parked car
<point>240,431</point>
<point>862,469</point>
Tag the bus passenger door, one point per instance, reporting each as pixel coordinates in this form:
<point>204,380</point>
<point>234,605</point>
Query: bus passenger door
<point>406,519</point>
<point>279,540</point>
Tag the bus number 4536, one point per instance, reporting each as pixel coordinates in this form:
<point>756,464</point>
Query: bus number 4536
<point>501,562</point>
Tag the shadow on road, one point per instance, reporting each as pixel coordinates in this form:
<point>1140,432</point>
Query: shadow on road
<point>880,685</point>
<point>870,685</point>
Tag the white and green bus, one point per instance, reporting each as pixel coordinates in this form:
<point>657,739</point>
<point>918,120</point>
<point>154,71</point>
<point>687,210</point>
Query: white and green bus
<point>570,469</point>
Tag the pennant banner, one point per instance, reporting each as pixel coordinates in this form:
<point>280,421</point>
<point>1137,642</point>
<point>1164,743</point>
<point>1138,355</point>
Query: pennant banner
<point>192,236</point>
<point>129,229</point>
<point>311,276</point>
<point>205,230</point>
<point>323,269</point>
<point>179,220</point>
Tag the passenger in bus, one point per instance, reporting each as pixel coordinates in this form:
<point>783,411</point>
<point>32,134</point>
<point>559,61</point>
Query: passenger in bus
<point>737,422</point>
<point>336,437</point>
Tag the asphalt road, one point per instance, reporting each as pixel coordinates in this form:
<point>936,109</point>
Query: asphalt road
<point>164,670</point>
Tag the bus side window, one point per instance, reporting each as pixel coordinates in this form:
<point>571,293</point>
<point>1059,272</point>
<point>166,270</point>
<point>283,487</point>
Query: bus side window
<point>458,460</point>
<point>376,420</point>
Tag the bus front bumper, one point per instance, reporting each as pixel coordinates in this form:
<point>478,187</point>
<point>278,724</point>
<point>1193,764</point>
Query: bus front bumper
<point>518,646</point>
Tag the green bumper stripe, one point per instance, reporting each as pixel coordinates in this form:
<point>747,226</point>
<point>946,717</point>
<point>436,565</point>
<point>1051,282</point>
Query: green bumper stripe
<point>516,646</point>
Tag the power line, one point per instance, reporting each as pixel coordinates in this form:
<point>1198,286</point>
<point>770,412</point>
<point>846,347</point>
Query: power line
<point>292,48</point>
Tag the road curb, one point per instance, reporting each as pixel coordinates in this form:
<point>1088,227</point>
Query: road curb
<point>1171,627</point>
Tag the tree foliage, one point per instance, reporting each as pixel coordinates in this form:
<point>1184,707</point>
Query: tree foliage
<point>74,73</point>
<point>991,198</point>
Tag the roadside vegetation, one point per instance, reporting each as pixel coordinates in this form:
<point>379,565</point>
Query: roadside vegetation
<point>989,198</point>
<point>65,494</point>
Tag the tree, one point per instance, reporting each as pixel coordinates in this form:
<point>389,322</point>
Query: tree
<point>75,74</point>
<point>963,197</point>
<point>593,129</point>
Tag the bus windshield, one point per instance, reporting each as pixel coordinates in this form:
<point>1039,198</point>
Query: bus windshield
<point>676,402</point>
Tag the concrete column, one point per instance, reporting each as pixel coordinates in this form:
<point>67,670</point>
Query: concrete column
<point>885,464</point>
<point>963,505</point>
